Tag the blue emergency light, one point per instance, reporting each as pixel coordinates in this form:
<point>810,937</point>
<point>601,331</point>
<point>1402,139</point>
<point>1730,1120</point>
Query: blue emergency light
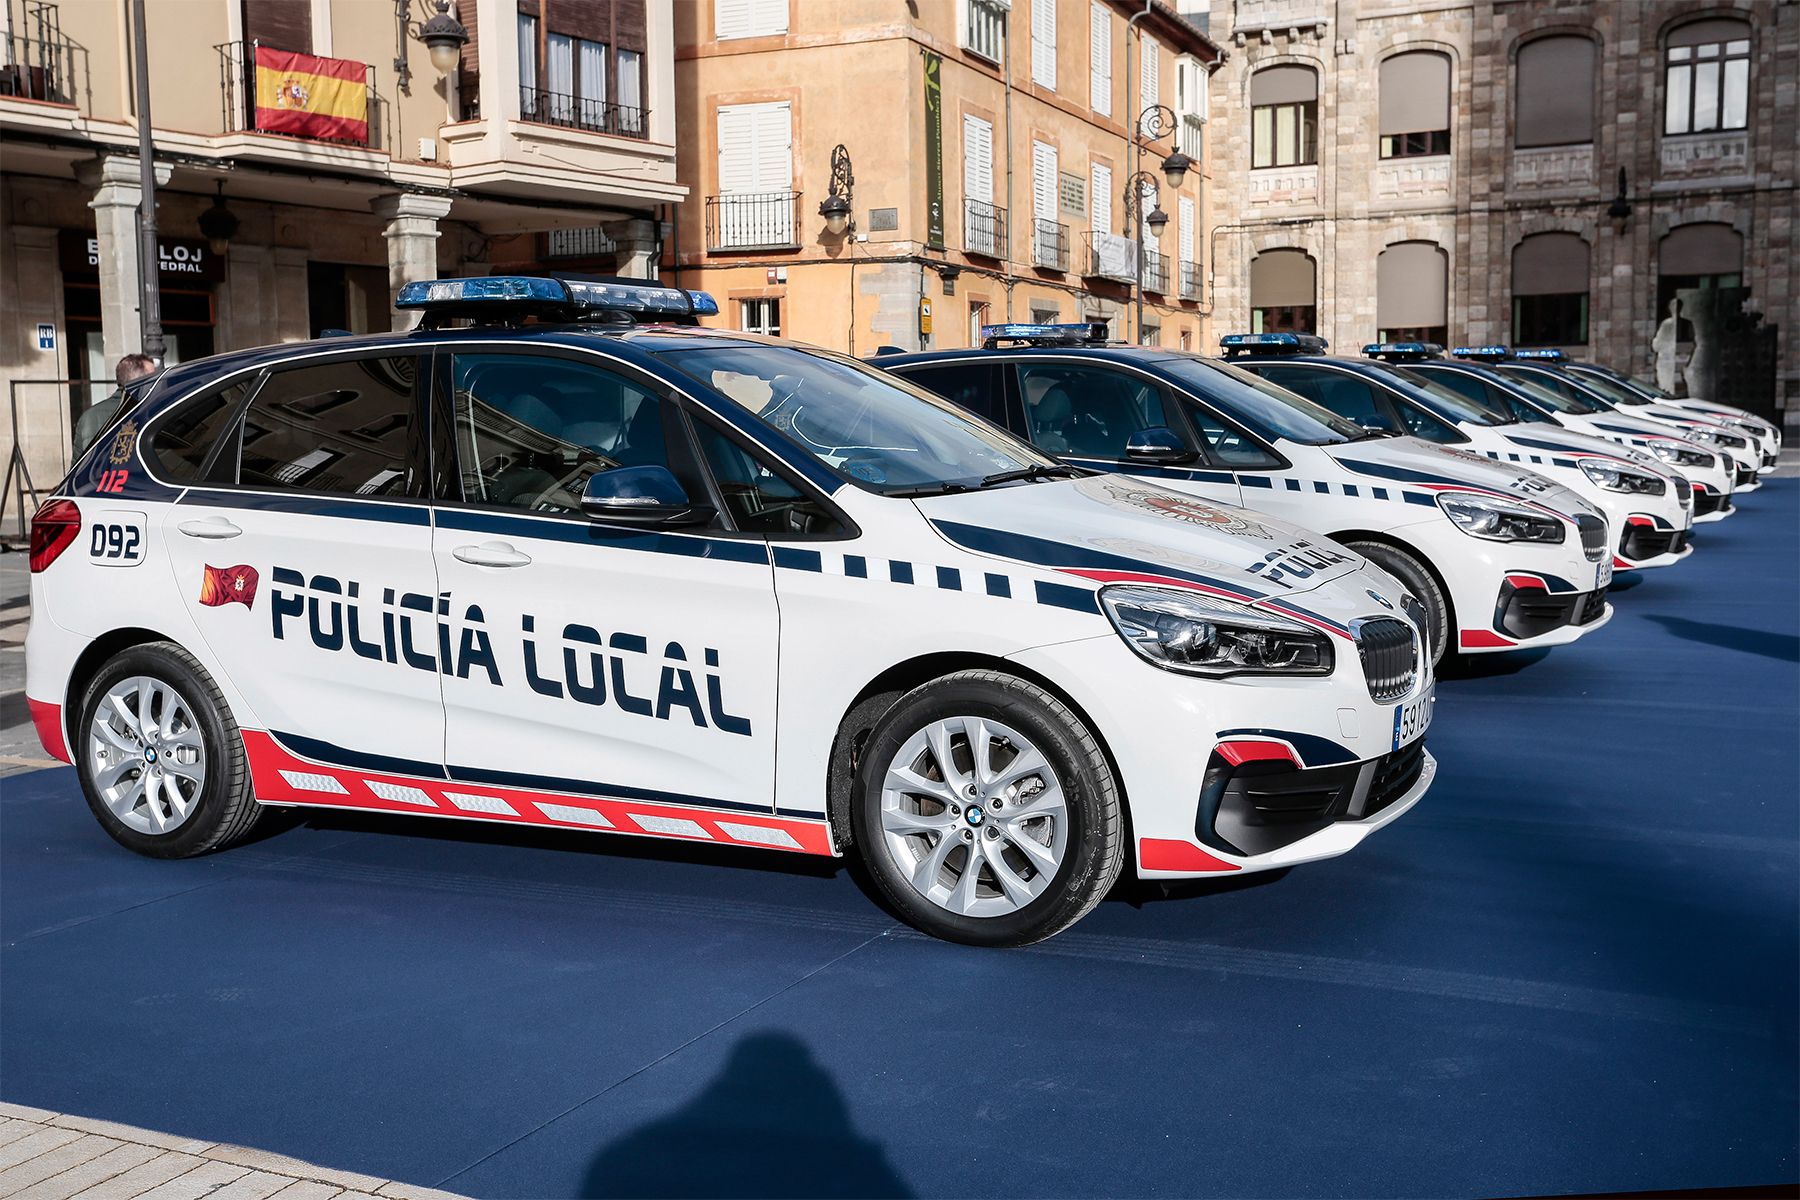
<point>1542,355</point>
<point>1273,343</point>
<point>547,294</point>
<point>1398,351</point>
<point>1484,353</point>
<point>1070,333</point>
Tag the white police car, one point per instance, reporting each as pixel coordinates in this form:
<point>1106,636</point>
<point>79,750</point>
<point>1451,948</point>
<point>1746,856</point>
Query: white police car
<point>1649,511</point>
<point>1766,432</point>
<point>1500,556</point>
<point>1741,447</point>
<point>1711,475</point>
<point>653,580</point>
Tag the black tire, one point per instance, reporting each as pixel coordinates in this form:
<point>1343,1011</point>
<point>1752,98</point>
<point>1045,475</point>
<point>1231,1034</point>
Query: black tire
<point>1419,580</point>
<point>226,809</point>
<point>1093,851</point>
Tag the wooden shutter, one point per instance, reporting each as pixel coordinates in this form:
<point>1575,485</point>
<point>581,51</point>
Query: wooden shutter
<point>1043,181</point>
<point>279,24</point>
<point>1100,59</point>
<point>1150,75</point>
<point>749,18</point>
<point>590,20</point>
<point>630,25</point>
<point>1043,43</point>
<point>1187,229</point>
<point>978,160</point>
<point>1100,199</point>
<point>1553,88</point>
<point>1411,286</point>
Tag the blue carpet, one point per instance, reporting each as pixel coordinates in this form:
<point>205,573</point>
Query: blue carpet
<point>1573,968</point>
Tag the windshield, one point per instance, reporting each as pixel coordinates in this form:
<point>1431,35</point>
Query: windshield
<point>1452,404</point>
<point>872,428</point>
<point>1612,389</point>
<point>1570,396</point>
<point>1266,410</point>
<point>1548,398</point>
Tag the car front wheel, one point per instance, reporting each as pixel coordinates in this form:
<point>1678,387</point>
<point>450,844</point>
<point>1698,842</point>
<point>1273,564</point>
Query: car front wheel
<point>986,811</point>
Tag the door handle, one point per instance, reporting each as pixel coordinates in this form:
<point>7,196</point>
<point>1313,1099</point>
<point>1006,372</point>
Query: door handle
<point>491,554</point>
<point>212,529</point>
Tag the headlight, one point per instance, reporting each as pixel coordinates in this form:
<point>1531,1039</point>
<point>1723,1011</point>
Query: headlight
<point>1498,520</point>
<point>1675,452</point>
<point>1198,635</point>
<point>1615,478</point>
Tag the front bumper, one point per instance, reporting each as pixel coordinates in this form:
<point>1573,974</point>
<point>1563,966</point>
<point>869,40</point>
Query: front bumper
<point>1262,808</point>
<point>1710,505</point>
<point>1643,547</point>
<point>1527,615</point>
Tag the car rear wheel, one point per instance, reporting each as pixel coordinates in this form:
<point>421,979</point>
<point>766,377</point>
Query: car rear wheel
<point>160,758</point>
<point>986,811</point>
<point>1420,582</point>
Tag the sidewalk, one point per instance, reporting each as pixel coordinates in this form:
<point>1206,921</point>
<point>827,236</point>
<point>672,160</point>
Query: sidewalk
<point>49,1156</point>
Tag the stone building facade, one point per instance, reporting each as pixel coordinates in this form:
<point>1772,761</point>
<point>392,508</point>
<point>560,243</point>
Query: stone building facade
<point>1529,172</point>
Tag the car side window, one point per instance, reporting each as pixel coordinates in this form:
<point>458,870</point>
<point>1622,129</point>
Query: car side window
<point>1085,411</point>
<point>343,427</point>
<point>1342,393</point>
<point>532,429</point>
<point>184,440</point>
<point>757,498</point>
<point>1226,447</point>
<point>1510,403</point>
<point>1422,424</point>
<point>976,386</point>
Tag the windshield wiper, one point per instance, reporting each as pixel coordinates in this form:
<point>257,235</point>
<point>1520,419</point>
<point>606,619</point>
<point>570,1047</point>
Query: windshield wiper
<point>930,489</point>
<point>1367,434</point>
<point>1039,471</point>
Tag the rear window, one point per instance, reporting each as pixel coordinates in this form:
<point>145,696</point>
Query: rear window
<point>1266,410</point>
<point>184,440</point>
<point>976,386</point>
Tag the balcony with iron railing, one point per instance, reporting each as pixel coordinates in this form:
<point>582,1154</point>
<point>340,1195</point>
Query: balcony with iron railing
<point>1109,256</point>
<point>1156,272</point>
<point>1049,245</point>
<point>984,229</point>
<point>240,111</point>
<point>1190,281</point>
<point>752,221</point>
<point>590,114</point>
<point>49,69</point>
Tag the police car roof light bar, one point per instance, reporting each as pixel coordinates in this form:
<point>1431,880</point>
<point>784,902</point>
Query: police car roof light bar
<point>1482,353</point>
<point>1402,351</point>
<point>1542,355</point>
<point>1077,333</point>
<point>1273,343</point>
<point>510,298</point>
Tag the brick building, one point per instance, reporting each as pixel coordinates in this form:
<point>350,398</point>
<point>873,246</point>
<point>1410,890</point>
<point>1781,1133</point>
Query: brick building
<point>989,151</point>
<point>1532,172</point>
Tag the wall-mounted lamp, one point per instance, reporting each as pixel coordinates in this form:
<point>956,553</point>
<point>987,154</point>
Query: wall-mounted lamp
<point>442,34</point>
<point>1620,208</point>
<point>218,224</point>
<point>1175,169</point>
<point>838,207</point>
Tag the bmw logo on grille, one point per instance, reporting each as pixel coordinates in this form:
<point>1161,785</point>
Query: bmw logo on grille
<point>1379,599</point>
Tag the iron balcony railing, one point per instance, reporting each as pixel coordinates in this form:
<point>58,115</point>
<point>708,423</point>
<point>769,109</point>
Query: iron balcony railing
<point>752,221</point>
<point>1156,272</point>
<point>1109,256</point>
<point>237,97</point>
<point>582,112</point>
<point>39,63</point>
<point>1190,281</point>
<point>1050,245</point>
<point>984,229</point>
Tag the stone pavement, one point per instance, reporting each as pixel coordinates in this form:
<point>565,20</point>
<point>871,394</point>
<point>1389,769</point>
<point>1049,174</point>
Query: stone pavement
<point>50,1156</point>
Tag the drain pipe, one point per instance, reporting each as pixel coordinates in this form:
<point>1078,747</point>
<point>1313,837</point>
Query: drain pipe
<point>1012,214</point>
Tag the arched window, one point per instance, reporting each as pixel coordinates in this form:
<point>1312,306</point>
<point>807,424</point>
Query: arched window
<point>1707,254</point>
<point>1283,292</point>
<point>1550,291</point>
<point>1411,300</point>
<point>1553,92</point>
<point>1284,117</point>
<point>1706,74</point>
<point>1415,104</point>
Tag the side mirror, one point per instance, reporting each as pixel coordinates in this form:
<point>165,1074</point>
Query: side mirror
<point>1158,445</point>
<point>642,497</point>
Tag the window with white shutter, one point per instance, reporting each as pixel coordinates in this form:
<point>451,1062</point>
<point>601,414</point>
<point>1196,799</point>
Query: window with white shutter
<point>982,28</point>
<point>1049,247</point>
<point>1190,266</point>
<point>749,18</point>
<point>1100,59</point>
<point>1043,43</point>
<point>1149,75</point>
<point>1100,199</point>
<point>755,205</point>
<point>982,232</point>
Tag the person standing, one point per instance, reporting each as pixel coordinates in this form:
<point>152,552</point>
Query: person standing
<point>89,424</point>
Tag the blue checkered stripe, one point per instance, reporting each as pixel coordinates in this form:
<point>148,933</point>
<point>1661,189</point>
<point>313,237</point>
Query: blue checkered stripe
<point>906,573</point>
<point>1325,487</point>
<point>1534,459</point>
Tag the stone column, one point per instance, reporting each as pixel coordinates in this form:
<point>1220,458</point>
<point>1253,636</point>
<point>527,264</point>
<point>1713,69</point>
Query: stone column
<point>292,316</point>
<point>412,234</point>
<point>637,243</point>
<point>246,298</point>
<point>117,196</point>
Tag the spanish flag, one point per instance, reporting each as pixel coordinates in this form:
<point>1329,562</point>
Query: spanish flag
<point>313,97</point>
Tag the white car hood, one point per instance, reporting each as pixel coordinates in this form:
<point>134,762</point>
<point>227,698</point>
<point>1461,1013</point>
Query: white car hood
<point>1552,437</point>
<point>1437,468</point>
<point>1118,525</point>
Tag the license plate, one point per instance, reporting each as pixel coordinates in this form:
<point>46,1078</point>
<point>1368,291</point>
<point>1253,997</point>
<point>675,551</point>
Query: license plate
<point>1603,574</point>
<point>1412,718</point>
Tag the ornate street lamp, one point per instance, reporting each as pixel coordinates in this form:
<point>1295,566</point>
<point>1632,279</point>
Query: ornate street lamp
<point>218,224</point>
<point>443,35</point>
<point>1153,123</point>
<point>838,207</point>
